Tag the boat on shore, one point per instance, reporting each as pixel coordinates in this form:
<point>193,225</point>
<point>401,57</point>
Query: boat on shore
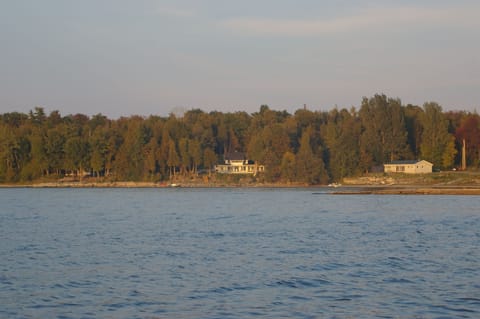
<point>335,185</point>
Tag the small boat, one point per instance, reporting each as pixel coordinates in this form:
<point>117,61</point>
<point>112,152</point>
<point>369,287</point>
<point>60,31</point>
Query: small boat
<point>174,185</point>
<point>334,185</point>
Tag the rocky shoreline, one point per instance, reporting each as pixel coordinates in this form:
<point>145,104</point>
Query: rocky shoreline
<point>409,190</point>
<point>89,184</point>
<point>342,190</point>
<point>445,183</point>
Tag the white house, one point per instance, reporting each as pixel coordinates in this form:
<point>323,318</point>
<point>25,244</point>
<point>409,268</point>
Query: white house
<point>237,163</point>
<point>408,167</point>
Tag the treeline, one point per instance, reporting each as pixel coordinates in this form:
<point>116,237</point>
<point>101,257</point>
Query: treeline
<point>313,147</point>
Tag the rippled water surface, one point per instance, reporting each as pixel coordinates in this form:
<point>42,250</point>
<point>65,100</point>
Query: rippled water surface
<point>237,253</point>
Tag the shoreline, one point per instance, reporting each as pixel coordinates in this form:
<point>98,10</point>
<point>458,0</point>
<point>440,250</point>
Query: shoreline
<point>409,190</point>
<point>153,185</point>
<point>342,190</point>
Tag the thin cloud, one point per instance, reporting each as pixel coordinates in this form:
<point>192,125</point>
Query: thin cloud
<point>175,12</point>
<point>466,16</point>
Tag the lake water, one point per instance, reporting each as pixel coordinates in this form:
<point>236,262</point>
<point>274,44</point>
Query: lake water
<point>237,253</point>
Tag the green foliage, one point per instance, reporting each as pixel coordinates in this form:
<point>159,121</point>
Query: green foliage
<point>384,136</point>
<point>173,160</point>
<point>268,148</point>
<point>438,144</point>
<point>288,167</point>
<point>341,136</point>
<point>309,166</point>
<point>209,159</point>
<point>310,147</point>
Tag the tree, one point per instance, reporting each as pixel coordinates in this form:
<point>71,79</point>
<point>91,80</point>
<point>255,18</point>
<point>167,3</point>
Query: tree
<point>129,162</point>
<point>38,116</point>
<point>309,167</point>
<point>288,167</point>
<point>14,152</point>
<point>413,124</point>
<point>38,165</point>
<point>99,151</point>
<point>437,144</point>
<point>185,158</point>
<point>209,159</point>
<point>469,130</point>
<point>173,159</point>
<point>196,154</point>
<point>76,155</point>
<point>268,148</point>
<point>150,154</point>
<point>54,149</point>
<point>384,136</point>
<point>341,137</point>
<point>308,146</point>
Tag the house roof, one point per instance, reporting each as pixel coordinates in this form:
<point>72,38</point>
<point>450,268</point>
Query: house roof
<point>406,162</point>
<point>235,156</point>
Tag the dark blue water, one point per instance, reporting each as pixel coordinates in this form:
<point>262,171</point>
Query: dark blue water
<point>236,253</point>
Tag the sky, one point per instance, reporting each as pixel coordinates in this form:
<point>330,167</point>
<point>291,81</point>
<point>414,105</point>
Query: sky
<point>120,58</point>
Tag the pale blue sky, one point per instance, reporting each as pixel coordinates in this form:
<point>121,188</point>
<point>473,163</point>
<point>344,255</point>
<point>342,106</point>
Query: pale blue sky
<point>145,57</point>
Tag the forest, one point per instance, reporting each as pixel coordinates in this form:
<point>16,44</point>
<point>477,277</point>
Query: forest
<point>312,147</point>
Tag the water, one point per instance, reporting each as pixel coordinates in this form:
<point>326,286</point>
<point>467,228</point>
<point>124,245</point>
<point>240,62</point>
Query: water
<point>236,253</point>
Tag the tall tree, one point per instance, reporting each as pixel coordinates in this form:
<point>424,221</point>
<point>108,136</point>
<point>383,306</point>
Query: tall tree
<point>54,148</point>
<point>38,165</point>
<point>469,130</point>
<point>209,159</point>
<point>309,167</point>
<point>196,154</point>
<point>268,148</point>
<point>413,115</point>
<point>76,155</point>
<point>99,150</point>
<point>185,158</point>
<point>13,154</point>
<point>287,167</point>
<point>173,160</point>
<point>384,136</point>
<point>341,137</point>
<point>437,145</point>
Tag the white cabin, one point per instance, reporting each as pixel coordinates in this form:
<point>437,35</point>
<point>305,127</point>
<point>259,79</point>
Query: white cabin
<point>409,167</point>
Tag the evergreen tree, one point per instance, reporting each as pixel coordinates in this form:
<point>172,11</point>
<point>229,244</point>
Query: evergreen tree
<point>437,145</point>
<point>288,167</point>
<point>384,136</point>
<point>209,159</point>
<point>309,167</point>
<point>341,135</point>
<point>173,159</point>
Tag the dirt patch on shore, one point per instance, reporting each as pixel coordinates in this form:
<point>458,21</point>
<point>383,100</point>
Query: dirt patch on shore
<point>411,190</point>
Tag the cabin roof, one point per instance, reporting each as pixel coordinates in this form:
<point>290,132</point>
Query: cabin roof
<point>406,162</point>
